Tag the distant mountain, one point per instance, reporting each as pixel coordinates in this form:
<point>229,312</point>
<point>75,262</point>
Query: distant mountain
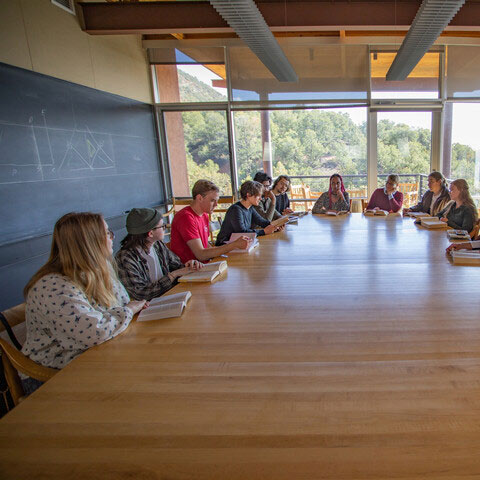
<point>193,90</point>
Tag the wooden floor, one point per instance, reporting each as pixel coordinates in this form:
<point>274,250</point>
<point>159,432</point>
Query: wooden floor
<point>345,348</point>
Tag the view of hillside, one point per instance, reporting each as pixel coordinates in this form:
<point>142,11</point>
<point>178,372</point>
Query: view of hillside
<point>305,142</point>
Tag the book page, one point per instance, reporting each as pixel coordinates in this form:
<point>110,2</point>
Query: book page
<point>174,298</point>
<point>280,221</point>
<point>157,312</point>
<point>251,235</point>
<point>200,276</point>
<point>221,266</point>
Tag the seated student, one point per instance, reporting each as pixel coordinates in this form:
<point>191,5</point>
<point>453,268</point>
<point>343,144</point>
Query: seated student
<point>266,207</point>
<point>435,198</point>
<point>75,300</point>
<point>387,198</point>
<point>280,188</point>
<point>146,267</point>
<point>460,213</point>
<point>190,227</point>
<point>240,216</point>
<point>335,199</point>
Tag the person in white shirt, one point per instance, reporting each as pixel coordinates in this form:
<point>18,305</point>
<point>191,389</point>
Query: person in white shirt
<point>75,301</point>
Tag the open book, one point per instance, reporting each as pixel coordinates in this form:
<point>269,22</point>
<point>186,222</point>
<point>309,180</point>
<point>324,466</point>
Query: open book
<point>416,214</point>
<point>458,234</point>
<point>432,222</point>
<point>253,242</point>
<point>466,257</point>
<point>280,221</point>
<point>206,274</point>
<point>334,213</point>
<point>167,306</point>
<point>378,212</point>
<point>298,214</point>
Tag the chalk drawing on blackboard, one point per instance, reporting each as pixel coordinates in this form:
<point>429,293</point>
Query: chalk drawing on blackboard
<point>85,152</point>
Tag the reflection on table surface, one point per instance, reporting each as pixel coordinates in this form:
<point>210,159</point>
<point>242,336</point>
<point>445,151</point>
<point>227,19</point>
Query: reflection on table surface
<point>343,347</point>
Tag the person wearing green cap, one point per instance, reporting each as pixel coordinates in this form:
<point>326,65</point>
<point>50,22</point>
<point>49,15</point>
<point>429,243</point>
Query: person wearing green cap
<point>146,267</point>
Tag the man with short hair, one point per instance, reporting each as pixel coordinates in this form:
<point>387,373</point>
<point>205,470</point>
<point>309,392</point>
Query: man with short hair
<point>190,226</point>
<point>241,217</point>
<point>146,267</point>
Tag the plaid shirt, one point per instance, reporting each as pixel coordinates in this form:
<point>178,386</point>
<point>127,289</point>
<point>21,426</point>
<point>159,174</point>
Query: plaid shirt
<point>133,272</point>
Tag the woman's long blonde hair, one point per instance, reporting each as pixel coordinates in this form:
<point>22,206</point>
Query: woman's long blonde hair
<point>80,252</point>
<point>465,196</point>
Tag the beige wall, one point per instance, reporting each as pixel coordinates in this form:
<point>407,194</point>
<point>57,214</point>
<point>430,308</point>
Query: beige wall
<point>36,35</point>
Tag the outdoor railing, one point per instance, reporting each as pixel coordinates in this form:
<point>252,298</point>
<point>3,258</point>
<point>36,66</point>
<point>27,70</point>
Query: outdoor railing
<point>319,183</point>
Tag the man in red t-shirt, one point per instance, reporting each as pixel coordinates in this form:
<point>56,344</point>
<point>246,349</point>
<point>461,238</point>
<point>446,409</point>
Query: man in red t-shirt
<point>190,226</point>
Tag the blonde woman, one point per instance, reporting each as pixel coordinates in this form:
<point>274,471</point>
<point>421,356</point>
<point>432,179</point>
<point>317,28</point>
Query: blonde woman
<point>435,198</point>
<point>75,300</point>
<point>461,212</point>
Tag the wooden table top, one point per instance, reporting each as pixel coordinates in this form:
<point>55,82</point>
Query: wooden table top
<point>342,348</point>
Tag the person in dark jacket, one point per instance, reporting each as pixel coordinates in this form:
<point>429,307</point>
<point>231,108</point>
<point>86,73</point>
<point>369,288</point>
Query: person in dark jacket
<point>461,212</point>
<point>240,217</point>
<point>435,198</point>
<point>280,188</point>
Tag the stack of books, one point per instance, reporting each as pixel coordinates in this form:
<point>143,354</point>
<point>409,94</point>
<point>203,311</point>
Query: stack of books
<point>466,257</point>
<point>432,222</point>
<point>458,234</point>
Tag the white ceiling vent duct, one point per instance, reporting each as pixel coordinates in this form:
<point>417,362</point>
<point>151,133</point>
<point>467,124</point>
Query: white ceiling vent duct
<point>247,21</point>
<point>430,21</point>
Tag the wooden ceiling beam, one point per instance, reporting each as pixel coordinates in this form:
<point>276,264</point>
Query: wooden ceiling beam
<point>302,15</point>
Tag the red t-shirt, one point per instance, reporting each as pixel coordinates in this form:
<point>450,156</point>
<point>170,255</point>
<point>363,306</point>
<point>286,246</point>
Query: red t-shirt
<point>186,226</point>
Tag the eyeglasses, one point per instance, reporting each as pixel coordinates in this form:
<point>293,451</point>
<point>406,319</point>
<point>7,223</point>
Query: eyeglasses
<point>161,226</point>
<point>111,234</point>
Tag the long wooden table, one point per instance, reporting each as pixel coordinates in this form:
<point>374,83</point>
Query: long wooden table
<point>342,348</point>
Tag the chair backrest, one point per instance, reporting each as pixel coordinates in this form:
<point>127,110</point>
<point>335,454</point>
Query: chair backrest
<point>15,317</point>
<point>410,193</point>
<point>15,361</point>
<point>216,217</point>
<point>357,193</point>
<point>297,191</point>
<point>476,229</point>
<point>408,187</point>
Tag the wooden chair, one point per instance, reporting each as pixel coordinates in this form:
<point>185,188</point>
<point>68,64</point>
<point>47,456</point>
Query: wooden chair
<point>15,361</point>
<point>360,195</point>
<point>476,229</point>
<point>303,191</point>
<point>223,205</point>
<point>410,193</point>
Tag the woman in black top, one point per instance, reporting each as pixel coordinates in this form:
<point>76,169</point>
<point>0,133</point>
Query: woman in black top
<point>461,212</point>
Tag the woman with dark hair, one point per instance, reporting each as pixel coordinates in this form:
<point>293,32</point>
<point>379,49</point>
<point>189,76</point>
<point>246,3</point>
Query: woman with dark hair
<point>336,199</point>
<point>461,212</point>
<point>75,301</point>
<point>266,207</point>
<point>387,198</point>
<point>280,188</point>
<point>240,217</point>
<point>435,198</point>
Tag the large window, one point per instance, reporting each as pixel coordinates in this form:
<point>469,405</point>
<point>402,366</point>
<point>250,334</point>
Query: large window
<point>465,153</point>
<point>190,75</point>
<point>198,149</point>
<point>306,144</point>
<point>404,147</point>
<point>422,83</point>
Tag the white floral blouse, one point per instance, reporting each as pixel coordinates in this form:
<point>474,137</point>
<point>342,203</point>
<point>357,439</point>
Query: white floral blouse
<point>62,323</point>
